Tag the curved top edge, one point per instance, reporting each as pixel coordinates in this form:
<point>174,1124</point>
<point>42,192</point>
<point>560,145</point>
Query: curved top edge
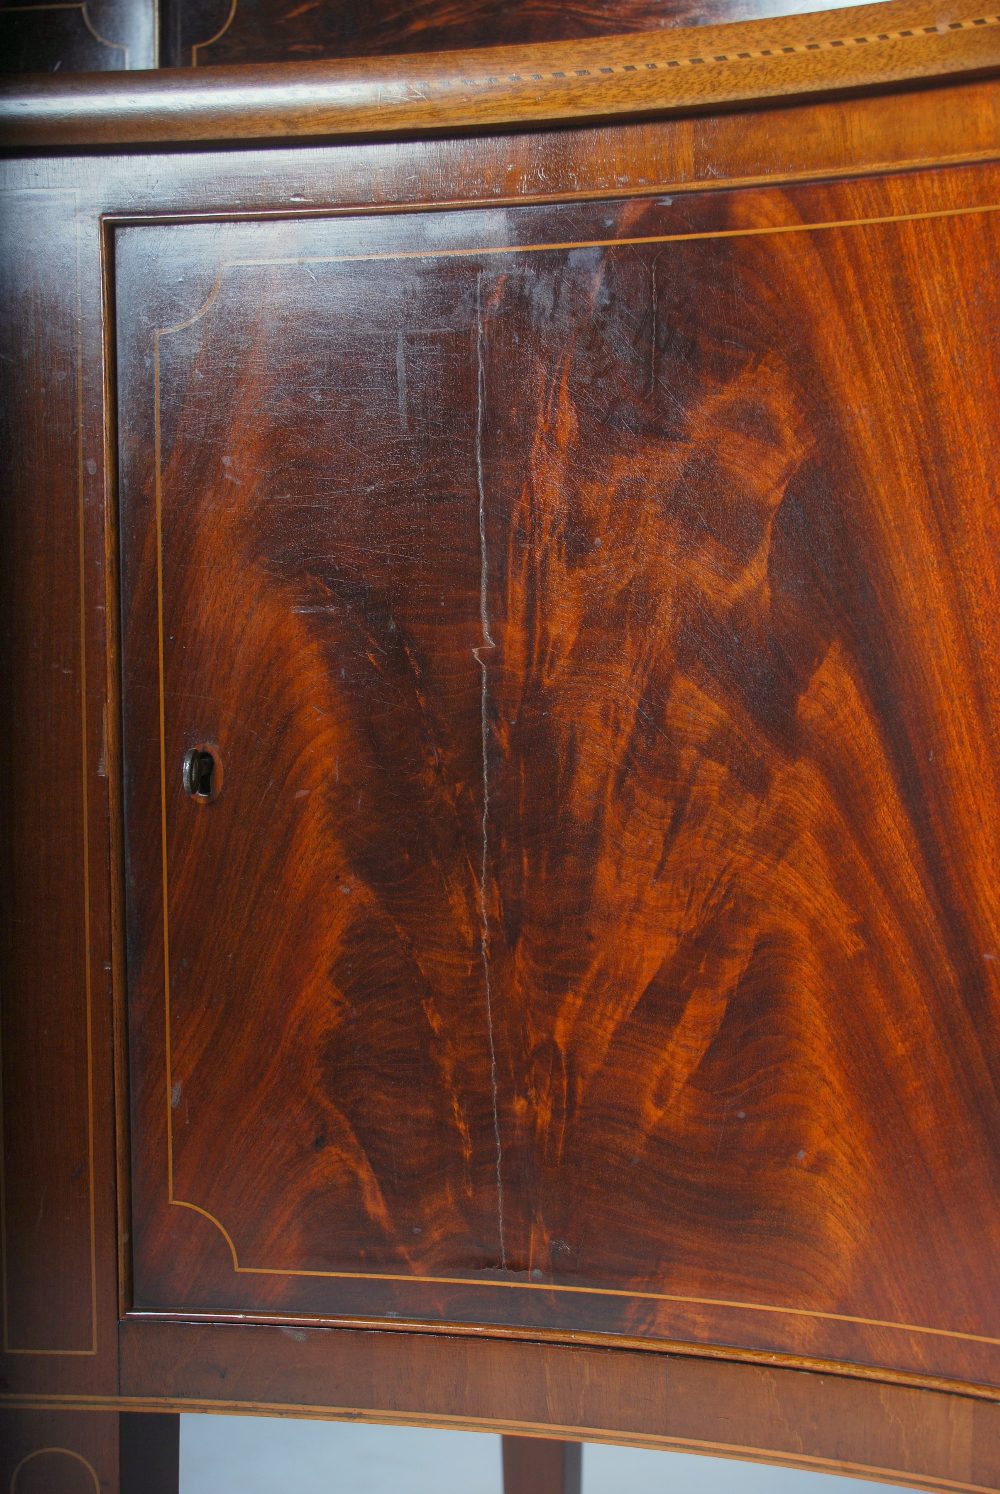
<point>616,77</point>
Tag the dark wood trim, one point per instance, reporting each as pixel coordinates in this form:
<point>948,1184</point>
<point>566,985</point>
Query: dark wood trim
<point>688,69</point>
<point>618,1342</point>
<point>55,496</point>
<point>539,1465</point>
<point>167,1409</point>
<point>899,1434</point>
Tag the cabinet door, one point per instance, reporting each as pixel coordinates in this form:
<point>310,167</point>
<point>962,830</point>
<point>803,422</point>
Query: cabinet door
<point>561,706</point>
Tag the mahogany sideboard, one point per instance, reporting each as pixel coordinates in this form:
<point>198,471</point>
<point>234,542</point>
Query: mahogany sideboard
<point>499,915</point>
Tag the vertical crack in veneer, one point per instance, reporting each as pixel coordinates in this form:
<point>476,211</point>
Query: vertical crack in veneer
<point>486,643</point>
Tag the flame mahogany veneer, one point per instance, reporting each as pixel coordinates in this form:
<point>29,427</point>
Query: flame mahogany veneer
<point>572,1012</point>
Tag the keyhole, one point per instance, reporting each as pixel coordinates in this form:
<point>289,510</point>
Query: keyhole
<point>202,773</point>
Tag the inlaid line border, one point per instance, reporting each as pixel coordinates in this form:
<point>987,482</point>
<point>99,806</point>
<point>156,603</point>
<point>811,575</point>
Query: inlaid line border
<point>81,6</point>
<point>668,64</point>
<point>460,252</point>
<point>217,36</point>
<point>663,64</point>
<point>42,1452</point>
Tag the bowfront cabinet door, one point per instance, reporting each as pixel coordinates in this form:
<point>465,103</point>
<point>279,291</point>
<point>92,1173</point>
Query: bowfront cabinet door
<point>561,706</point>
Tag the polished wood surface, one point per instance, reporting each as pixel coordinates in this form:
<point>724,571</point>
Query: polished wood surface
<point>56,1101</point>
<point>827,1422</point>
<point>932,1427</point>
<point>698,68</point>
<point>604,835</point>
<point>47,1204</point>
<point>220,32</point>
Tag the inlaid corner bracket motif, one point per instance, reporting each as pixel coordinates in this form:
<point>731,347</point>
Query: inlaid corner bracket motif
<point>102,41</point>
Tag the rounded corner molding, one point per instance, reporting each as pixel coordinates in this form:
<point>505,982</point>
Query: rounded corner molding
<point>641,75</point>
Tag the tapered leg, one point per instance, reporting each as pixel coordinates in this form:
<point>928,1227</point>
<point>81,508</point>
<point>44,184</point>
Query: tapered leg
<point>149,1453</point>
<point>532,1465</point>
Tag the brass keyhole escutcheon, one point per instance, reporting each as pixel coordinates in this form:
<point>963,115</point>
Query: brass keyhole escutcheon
<point>202,773</point>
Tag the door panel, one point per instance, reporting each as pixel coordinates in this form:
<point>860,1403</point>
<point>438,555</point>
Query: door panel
<point>589,612</point>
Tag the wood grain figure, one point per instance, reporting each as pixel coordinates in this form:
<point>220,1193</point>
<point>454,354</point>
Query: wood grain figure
<point>600,827</point>
<point>499,923</point>
<point>223,32</point>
